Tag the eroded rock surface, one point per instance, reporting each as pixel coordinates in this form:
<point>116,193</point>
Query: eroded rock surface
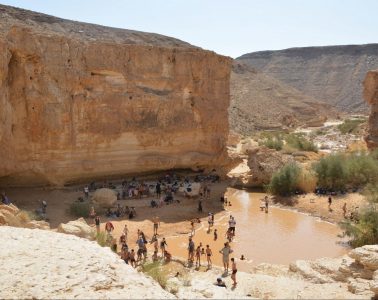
<point>80,101</point>
<point>263,163</point>
<point>371,97</point>
<point>105,197</point>
<point>10,215</point>
<point>79,228</point>
<point>42,264</point>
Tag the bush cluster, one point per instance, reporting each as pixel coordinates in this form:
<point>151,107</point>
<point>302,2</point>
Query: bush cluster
<point>299,142</point>
<point>80,209</point>
<point>272,143</point>
<point>285,181</point>
<point>341,171</point>
<point>350,125</point>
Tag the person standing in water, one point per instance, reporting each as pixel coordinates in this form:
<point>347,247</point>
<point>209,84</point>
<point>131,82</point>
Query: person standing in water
<point>198,256</point>
<point>163,244</point>
<point>209,253</point>
<point>156,222</point>
<point>234,271</point>
<point>266,204</point>
<point>226,251</point>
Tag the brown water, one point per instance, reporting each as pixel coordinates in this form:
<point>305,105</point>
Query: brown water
<point>280,236</point>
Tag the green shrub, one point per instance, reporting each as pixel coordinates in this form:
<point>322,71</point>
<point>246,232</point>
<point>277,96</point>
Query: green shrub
<point>307,181</point>
<point>361,169</point>
<point>272,143</point>
<point>153,269</point>
<point>102,239</point>
<point>350,125</point>
<point>80,209</point>
<point>340,171</point>
<point>299,142</point>
<point>365,231</point>
<point>285,181</point>
<point>331,172</point>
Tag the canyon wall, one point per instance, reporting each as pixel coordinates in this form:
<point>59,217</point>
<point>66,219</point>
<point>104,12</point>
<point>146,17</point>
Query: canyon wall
<point>260,102</point>
<point>332,74</point>
<point>371,97</point>
<point>80,101</point>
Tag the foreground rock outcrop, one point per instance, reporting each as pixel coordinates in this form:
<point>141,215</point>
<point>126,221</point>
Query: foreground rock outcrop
<point>10,215</point>
<point>42,264</point>
<point>371,97</point>
<point>352,276</point>
<point>79,228</point>
<point>80,101</point>
<point>49,265</point>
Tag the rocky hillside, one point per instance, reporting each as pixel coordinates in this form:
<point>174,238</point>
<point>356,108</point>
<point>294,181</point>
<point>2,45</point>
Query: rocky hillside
<point>333,74</point>
<point>261,102</point>
<point>81,101</point>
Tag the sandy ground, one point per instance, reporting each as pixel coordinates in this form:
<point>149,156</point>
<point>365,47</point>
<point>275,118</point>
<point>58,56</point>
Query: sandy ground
<point>318,205</point>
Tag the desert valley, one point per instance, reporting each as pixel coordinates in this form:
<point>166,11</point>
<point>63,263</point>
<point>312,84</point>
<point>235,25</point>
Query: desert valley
<point>136,165</point>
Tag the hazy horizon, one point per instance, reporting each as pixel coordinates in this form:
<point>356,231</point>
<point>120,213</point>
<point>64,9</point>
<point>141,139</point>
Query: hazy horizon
<point>229,28</point>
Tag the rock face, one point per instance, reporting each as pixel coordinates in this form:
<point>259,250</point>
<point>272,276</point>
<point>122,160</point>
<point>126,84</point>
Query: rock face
<point>105,197</point>
<point>45,265</point>
<point>263,162</point>
<point>79,228</point>
<point>332,74</point>
<point>371,97</point>
<point>10,215</point>
<point>260,102</point>
<point>80,101</point>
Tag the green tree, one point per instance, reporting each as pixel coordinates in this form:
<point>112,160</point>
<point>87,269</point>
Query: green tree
<point>285,181</point>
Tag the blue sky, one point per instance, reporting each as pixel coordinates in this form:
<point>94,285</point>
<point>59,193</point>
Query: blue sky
<point>231,27</point>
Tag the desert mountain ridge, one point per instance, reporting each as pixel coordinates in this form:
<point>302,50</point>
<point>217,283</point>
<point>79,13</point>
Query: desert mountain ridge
<point>332,74</point>
<point>260,102</point>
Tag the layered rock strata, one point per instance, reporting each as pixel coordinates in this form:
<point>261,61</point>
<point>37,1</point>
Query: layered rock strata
<point>371,97</point>
<point>80,101</point>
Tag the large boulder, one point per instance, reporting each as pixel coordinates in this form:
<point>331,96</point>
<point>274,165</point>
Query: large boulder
<point>366,256</point>
<point>10,215</point>
<point>79,228</point>
<point>105,197</point>
<point>263,162</point>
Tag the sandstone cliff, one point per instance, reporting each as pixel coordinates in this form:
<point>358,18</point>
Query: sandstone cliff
<point>261,102</point>
<point>332,74</point>
<point>371,97</point>
<point>80,101</point>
